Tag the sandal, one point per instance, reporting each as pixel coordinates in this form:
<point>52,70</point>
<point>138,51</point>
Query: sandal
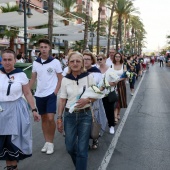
<point>95,144</point>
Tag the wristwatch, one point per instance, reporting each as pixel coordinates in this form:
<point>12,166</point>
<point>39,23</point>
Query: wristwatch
<point>34,110</point>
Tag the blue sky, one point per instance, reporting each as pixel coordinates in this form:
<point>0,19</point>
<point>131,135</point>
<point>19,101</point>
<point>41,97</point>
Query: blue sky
<point>155,15</point>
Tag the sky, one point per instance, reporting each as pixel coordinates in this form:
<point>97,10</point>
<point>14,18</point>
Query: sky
<point>155,15</point>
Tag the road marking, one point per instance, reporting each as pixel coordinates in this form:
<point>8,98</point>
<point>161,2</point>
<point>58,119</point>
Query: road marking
<point>109,152</point>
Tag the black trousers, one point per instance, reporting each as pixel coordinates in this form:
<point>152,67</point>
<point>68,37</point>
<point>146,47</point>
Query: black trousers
<point>109,109</point>
<point>161,63</point>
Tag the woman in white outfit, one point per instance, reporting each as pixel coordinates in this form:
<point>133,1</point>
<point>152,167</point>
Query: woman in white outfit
<point>119,67</point>
<point>15,123</point>
<point>109,107</point>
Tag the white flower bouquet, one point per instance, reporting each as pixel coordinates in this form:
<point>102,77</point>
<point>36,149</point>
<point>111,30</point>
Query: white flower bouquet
<point>126,74</point>
<point>92,92</point>
<point>110,77</point>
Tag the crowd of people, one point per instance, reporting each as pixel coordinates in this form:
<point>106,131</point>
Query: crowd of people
<point>68,81</point>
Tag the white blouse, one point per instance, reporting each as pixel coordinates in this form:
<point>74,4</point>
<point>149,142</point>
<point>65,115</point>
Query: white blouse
<point>17,79</point>
<point>97,77</point>
<point>71,91</point>
<point>118,72</point>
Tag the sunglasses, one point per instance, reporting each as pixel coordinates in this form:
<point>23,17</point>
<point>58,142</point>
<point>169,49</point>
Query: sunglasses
<point>99,59</point>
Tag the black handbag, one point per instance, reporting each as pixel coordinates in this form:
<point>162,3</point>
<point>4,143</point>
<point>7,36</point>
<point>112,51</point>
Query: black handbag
<point>112,97</point>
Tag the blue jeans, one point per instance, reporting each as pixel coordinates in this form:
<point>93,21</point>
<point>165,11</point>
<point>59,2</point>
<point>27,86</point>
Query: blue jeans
<point>77,128</point>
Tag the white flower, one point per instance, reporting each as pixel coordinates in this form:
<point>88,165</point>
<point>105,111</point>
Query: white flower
<point>112,77</point>
<point>96,89</point>
<point>106,83</point>
<point>128,73</point>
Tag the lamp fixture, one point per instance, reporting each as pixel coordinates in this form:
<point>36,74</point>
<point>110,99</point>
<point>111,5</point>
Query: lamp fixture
<point>22,9</point>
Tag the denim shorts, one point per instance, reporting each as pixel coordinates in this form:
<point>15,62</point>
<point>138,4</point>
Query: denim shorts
<point>46,104</point>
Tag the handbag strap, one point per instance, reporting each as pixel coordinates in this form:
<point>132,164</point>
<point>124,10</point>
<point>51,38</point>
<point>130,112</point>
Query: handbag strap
<point>90,103</point>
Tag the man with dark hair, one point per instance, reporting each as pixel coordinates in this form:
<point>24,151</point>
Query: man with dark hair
<point>44,40</point>
<point>47,71</point>
<point>109,61</point>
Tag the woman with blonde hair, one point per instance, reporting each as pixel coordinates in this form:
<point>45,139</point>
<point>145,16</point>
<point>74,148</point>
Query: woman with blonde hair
<point>77,125</point>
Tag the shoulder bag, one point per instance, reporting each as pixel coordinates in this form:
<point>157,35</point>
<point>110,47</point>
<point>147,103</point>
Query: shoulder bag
<point>96,127</point>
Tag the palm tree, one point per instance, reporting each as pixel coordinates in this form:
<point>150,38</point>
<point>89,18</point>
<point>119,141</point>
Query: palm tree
<point>110,24</point>
<point>101,4</point>
<point>67,4</point>
<point>50,21</point>
<point>137,33</point>
<point>122,8</point>
<point>92,28</point>
<point>8,8</point>
<point>86,25</point>
<point>12,32</point>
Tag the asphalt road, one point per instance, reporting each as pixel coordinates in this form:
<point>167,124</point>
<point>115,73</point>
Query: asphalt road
<point>143,143</point>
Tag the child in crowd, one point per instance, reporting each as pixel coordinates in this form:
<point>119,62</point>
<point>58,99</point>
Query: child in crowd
<point>132,79</point>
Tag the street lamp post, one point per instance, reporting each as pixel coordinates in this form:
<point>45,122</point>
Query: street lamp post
<point>92,35</point>
<point>113,41</point>
<point>23,5</point>
<point>58,46</point>
<point>57,43</point>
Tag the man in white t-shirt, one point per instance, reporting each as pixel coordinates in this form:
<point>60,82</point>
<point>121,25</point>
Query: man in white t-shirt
<point>161,60</point>
<point>47,71</point>
<point>110,59</point>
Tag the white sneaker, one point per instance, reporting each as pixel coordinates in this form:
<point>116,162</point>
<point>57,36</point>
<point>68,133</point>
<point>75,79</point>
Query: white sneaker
<point>44,149</point>
<point>131,94</point>
<point>50,148</point>
<point>112,130</point>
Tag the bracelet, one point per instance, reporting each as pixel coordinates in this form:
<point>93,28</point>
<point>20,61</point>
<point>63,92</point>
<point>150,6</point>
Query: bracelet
<point>59,117</point>
<point>34,110</point>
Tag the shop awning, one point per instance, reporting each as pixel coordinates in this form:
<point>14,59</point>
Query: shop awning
<point>16,20</point>
<point>6,1</point>
<point>59,30</point>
